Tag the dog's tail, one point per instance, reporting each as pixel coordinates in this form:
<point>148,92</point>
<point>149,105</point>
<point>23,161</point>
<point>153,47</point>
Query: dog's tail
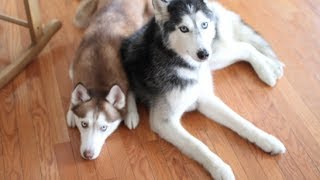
<point>245,33</point>
<point>84,12</point>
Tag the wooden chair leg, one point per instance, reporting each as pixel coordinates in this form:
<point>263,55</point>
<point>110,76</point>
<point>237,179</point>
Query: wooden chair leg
<point>19,64</point>
<point>34,19</point>
<point>39,37</point>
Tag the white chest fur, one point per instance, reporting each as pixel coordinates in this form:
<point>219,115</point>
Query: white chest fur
<point>186,99</point>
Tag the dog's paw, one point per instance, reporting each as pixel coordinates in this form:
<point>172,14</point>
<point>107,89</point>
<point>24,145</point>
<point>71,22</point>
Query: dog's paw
<point>132,120</point>
<point>277,67</point>
<point>223,172</point>
<point>70,119</point>
<point>272,145</point>
<point>270,71</point>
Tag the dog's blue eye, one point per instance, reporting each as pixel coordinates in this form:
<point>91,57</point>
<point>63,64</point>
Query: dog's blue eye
<point>103,128</point>
<point>204,25</point>
<point>184,29</point>
<point>84,124</point>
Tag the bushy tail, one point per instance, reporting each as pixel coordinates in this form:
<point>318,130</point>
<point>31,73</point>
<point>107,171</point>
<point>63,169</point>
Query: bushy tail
<point>84,13</point>
<point>246,34</point>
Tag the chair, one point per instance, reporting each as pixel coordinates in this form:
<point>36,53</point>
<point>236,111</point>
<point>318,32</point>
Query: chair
<point>40,36</point>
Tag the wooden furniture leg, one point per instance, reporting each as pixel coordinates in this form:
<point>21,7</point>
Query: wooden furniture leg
<point>39,37</point>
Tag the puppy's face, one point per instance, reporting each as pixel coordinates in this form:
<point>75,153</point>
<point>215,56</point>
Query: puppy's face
<point>96,117</point>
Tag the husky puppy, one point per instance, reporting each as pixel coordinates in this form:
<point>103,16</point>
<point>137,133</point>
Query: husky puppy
<point>100,99</point>
<point>169,63</point>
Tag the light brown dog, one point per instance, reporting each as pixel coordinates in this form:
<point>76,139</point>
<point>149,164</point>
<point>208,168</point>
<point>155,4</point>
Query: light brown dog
<point>100,99</point>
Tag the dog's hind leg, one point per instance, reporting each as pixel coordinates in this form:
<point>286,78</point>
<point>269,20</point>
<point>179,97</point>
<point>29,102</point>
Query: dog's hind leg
<point>167,125</point>
<point>227,53</point>
<point>244,33</point>
<point>132,118</point>
<point>215,109</point>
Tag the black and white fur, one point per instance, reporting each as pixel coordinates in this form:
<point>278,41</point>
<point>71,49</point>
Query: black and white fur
<point>168,71</point>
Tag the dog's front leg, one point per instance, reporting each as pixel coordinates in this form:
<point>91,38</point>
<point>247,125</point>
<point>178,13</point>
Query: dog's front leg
<point>132,118</point>
<point>166,123</point>
<point>216,110</point>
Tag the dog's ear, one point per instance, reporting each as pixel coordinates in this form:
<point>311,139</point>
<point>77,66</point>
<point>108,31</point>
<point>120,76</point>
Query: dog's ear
<point>160,9</point>
<point>79,94</point>
<point>116,97</point>
<point>84,12</point>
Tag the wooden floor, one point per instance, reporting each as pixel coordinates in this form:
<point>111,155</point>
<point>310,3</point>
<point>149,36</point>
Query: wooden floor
<point>35,142</point>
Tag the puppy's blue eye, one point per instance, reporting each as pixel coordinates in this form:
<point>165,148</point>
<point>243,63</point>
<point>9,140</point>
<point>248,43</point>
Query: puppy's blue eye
<point>84,124</point>
<point>184,29</point>
<point>204,25</point>
<point>103,128</point>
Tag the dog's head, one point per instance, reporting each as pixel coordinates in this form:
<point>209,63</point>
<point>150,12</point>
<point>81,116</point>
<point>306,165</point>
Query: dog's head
<point>97,116</point>
<point>188,27</point>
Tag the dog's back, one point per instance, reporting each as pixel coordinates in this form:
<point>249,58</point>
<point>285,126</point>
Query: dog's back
<point>97,62</point>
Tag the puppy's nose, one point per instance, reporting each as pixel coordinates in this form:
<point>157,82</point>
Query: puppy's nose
<point>88,154</point>
<point>203,54</point>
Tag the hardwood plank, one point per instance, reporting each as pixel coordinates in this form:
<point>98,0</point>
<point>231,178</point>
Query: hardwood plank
<point>143,130</point>
<point>137,155</point>
<point>38,110</point>
<point>157,160</point>
<point>278,124</point>
<point>11,35</point>
<point>61,63</point>
<point>304,161</point>
<point>119,157</point>
<point>239,104</point>
<point>289,168</point>
<point>273,123</point>
<point>2,168</point>
<point>65,161</point>
<point>11,154</point>
<point>10,138</point>
<point>174,160</point>
<point>104,166</point>
<point>195,171</point>
<point>303,112</point>
<point>194,121</point>
<point>30,160</point>
<point>56,115</point>
<point>257,113</point>
<point>8,33</point>
<point>27,137</point>
<point>293,53</point>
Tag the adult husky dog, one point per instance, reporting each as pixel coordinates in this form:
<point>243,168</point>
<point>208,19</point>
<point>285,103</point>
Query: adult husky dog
<point>169,63</point>
<point>100,99</point>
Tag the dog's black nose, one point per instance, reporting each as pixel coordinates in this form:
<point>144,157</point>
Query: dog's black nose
<point>88,154</point>
<point>202,54</point>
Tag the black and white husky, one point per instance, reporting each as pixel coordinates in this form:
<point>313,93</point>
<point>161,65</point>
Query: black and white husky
<point>169,63</point>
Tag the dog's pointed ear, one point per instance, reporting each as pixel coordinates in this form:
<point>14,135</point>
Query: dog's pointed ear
<point>116,97</point>
<point>205,1</point>
<point>80,94</point>
<point>160,9</point>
